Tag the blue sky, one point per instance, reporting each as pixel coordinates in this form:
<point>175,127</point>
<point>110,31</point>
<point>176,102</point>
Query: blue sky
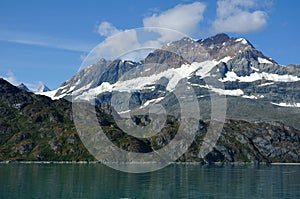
<point>46,41</point>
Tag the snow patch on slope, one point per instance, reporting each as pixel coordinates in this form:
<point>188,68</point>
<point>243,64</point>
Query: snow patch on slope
<point>232,76</point>
<point>266,84</point>
<point>152,101</point>
<point>253,96</point>
<point>205,67</point>
<point>226,59</point>
<point>284,104</point>
<point>51,94</point>
<point>236,92</point>
<point>255,69</point>
<point>173,74</point>
<point>242,40</point>
<point>263,61</point>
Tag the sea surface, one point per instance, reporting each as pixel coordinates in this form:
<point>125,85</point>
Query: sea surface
<point>19,180</point>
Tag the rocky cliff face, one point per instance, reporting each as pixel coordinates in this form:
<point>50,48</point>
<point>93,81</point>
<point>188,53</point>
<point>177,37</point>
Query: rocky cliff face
<point>242,141</point>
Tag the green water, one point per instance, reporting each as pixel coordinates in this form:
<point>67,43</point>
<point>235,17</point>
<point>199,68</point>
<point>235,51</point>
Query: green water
<point>174,181</point>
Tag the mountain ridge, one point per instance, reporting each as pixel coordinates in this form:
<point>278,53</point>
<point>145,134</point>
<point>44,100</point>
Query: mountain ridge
<point>208,51</point>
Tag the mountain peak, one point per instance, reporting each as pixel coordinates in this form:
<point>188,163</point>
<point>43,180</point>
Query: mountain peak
<point>23,87</point>
<point>217,39</point>
<point>43,88</point>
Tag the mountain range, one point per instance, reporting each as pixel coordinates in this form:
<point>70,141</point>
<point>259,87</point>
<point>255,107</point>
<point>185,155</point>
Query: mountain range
<point>261,100</point>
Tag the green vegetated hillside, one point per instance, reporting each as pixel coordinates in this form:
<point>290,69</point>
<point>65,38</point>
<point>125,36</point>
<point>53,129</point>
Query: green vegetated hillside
<point>36,128</point>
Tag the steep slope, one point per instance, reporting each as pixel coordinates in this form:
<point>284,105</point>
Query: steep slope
<point>85,79</point>
<point>23,87</point>
<point>36,128</point>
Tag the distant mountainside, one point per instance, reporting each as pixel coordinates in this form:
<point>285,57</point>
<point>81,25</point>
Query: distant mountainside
<point>262,104</point>
<point>235,61</point>
<point>264,89</point>
<point>42,88</point>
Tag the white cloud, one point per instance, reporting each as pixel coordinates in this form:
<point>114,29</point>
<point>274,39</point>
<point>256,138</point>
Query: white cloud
<point>239,16</point>
<point>132,44</point>
<point>44,41</point>
<point>112,47</point>
<point>184,18</point>
<point>135,44</point>
<point>11,78</point>
<point>107,29</point>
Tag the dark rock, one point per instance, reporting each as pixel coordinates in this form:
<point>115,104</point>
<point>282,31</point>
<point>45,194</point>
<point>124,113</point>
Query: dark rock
<point>25,148</point>
<point>23,136</point>
<point>215,156</point>
<point>5,129</point>
<point>23,87</point>
<point>217,39</point>
<point>55,146</point>
<point>71,140</point>
<point>116,70</point>
<point>40,157</point>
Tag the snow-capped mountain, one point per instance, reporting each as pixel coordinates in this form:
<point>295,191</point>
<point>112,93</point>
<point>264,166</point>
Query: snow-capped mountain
<point>244,73</point>
<point>42,88</point>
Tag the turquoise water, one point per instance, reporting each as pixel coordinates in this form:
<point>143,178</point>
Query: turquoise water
<point>174,181</point>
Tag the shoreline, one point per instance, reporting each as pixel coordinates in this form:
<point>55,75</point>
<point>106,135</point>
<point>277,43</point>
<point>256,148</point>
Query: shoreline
<point>147,163</point>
